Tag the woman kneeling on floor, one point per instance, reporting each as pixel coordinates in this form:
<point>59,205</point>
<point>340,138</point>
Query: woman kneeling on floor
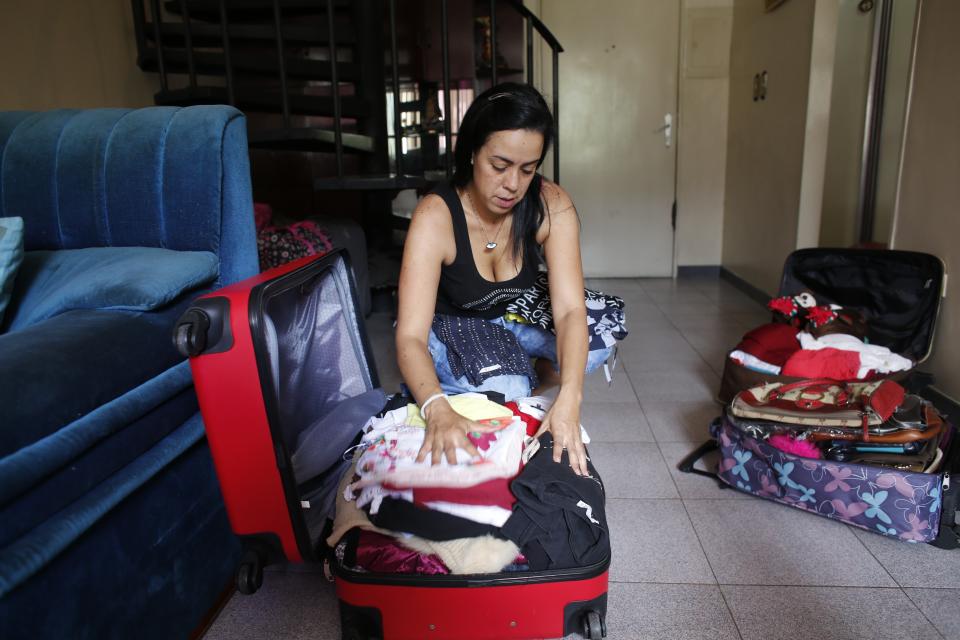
<point>474,247</point>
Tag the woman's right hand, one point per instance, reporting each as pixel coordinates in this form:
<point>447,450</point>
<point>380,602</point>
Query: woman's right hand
<point>446,432</point>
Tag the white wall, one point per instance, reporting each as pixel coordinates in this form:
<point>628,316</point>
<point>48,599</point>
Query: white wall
<point>899,59</point>
<point>765,139</point>
<point>605,192</point>
<point>618,77</point>
<point>70,53</point>
<point>848,105</point>
<point>705,31</point>
<point>928,208</point>
<point>815,137</point>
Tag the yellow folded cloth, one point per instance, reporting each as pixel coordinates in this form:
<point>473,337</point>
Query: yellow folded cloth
<point>515,317</point>
<point>475,406</point>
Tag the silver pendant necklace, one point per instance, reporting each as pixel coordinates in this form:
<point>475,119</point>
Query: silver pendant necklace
<point>491,244</point>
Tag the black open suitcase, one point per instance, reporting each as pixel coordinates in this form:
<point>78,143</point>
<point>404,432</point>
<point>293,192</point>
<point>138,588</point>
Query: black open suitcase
<point>899,293</point>
<point>276,353</point>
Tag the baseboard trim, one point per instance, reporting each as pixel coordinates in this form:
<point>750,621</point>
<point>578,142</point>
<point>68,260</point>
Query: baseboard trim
<point>699,271</point>
<point>757,294</point>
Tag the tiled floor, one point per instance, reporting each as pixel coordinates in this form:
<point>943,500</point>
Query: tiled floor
<point>689,560</point>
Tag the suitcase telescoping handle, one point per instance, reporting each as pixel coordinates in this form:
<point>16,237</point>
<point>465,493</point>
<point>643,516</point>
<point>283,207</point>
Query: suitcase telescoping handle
<point>204,328</point>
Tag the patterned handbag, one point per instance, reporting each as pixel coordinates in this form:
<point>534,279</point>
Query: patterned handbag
<point>280,245</point>
<point>822,403</point>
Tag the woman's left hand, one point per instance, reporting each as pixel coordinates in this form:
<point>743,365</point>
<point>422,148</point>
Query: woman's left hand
<point>563,421</point>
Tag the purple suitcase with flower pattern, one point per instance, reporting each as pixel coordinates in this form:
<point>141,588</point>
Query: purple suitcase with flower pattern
<point>910,506</point>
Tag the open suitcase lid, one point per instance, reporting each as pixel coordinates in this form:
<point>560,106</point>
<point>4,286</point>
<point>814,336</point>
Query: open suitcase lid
<point>312,353</point>
<point>898,292</point>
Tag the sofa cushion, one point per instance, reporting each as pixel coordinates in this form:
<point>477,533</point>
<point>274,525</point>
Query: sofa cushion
<point>129,278</point>
<point>11,254</point>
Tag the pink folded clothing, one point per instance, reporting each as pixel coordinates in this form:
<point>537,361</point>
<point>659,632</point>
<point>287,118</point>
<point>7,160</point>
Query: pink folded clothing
<point>382,554</point>
<point>773,343</point>
<point>833,364</point>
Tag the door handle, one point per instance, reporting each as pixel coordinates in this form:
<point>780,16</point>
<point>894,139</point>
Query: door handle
<point>666,128</point>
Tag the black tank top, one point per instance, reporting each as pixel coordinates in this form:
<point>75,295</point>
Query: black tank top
<point>463,291</point>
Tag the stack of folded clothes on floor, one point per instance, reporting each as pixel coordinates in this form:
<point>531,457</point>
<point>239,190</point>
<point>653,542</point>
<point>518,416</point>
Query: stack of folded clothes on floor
<point>508,510</point>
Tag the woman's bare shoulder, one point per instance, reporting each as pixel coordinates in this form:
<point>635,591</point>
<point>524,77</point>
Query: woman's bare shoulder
<point>432,213</point>
<point>557,208</point>
<point>431,228</point>
<point>555,198</point>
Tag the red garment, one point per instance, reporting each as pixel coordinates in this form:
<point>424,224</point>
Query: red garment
<point>773,343</point>
<point>832,364</point>
<point>494,492</point>
<point>532,423</point>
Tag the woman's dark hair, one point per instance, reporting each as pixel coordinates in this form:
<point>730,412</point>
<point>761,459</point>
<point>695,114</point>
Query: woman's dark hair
<point>506,107</point>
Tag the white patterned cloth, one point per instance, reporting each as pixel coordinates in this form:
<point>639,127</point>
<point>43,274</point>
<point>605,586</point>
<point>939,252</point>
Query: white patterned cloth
<point>872,357</point>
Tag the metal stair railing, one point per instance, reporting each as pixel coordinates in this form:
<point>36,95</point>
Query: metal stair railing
<point>398,179</point>
<point>532,23</point>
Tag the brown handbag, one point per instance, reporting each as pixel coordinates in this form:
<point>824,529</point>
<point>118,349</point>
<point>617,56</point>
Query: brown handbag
<point>932,419</point>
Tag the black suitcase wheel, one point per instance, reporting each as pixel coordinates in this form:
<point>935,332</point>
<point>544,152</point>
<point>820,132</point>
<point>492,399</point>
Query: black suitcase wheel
<point>594,627</point>
<point>190,334</point>
<point>249,573</point>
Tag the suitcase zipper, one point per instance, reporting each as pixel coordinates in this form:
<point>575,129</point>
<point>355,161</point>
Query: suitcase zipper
<point>946,482</point>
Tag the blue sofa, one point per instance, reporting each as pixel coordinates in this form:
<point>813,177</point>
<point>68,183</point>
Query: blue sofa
<point>111,520</point>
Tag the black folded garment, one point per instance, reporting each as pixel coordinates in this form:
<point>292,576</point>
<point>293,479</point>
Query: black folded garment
<point>559,520</point>
<point>399,515</point>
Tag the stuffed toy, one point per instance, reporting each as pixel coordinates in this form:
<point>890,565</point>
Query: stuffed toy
<point>792,309</point>
<point>848,321</point>
<point>820,315</point>
<point>803,312</point>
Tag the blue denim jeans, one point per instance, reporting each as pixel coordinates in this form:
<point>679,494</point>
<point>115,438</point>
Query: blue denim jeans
<point>536,342</point>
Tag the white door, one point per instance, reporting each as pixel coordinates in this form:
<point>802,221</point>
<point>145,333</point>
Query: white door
<point>618,82</point>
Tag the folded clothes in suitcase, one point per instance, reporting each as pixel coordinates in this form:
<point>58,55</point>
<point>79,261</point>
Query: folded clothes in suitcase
<point>284,375</point>
<point>884,303</point>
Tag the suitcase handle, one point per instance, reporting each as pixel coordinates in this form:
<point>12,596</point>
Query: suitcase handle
<point>687,464</point>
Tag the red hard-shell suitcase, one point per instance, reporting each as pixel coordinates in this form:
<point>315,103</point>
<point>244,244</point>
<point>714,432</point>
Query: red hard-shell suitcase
<point>269,356</point>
